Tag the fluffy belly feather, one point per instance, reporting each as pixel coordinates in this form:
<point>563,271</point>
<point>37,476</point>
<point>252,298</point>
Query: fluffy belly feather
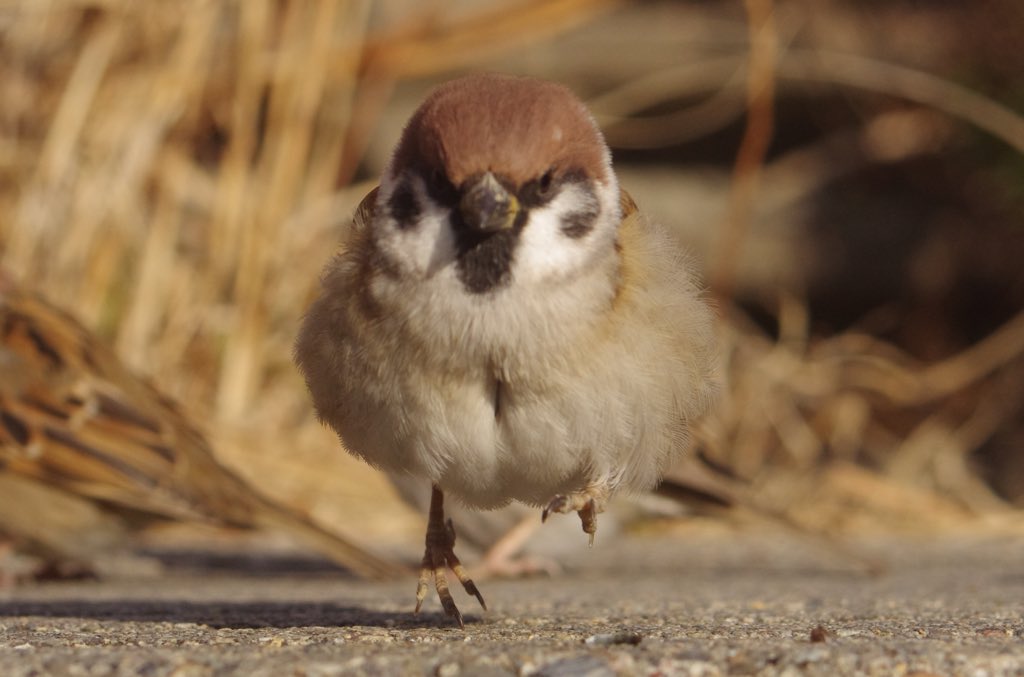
<point>533,446</point>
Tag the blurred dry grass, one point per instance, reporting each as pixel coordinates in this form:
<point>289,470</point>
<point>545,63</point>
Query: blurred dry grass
<point>177,172</point>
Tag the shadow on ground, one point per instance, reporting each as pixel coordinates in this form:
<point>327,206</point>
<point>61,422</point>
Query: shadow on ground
<point>220,615</point>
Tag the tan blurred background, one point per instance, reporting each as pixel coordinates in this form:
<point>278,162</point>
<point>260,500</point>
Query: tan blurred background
<point>177,174</point>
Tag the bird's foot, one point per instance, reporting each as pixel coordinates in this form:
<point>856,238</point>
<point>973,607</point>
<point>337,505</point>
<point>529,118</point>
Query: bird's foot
<point>587,504</point>
<point>440,552</point>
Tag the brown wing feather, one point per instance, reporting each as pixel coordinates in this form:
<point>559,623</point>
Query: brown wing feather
<point>627,204</point>
<point>73,417</point>
<point>365,210</point>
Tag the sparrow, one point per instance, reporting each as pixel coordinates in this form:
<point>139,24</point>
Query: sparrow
<point>503,323</point>
<point>88,448</point>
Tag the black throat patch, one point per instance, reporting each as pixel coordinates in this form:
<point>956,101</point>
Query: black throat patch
<point>484,260</point>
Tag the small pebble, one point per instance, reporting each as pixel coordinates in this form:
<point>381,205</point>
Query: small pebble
<point>608,639</point>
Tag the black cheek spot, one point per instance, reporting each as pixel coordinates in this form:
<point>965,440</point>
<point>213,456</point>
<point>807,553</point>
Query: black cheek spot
<point>440,189</point>
<point>404,208</point>
<point>577,224</point>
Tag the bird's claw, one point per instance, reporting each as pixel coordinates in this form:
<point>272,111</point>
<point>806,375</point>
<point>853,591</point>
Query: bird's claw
<point>587,504</point>
<point>439,553</point>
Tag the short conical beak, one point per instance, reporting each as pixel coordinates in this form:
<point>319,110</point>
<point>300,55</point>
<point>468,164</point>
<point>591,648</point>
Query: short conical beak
<point>486,205</point>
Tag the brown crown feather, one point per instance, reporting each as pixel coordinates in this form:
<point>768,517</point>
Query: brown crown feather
<point>513,126</point>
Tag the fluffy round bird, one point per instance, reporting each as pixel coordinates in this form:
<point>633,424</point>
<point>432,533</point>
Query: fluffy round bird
<point>502,322</point>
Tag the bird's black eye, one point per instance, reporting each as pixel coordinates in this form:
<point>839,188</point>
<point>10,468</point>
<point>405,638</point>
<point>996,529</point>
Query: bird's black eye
<point>547,180</point>
<point>441,189</point>
<point>404,207</point>
<point>538,191</point>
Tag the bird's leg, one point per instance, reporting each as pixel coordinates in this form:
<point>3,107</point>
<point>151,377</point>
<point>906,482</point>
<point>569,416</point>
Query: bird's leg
<point>439,553</point>
<point>587,504</point>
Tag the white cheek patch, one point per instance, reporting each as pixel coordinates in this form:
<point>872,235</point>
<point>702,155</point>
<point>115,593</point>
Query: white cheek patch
<point>546,252</point>
<point>423,249</point>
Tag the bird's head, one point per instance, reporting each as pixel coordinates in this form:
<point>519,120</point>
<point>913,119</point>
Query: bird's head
<point>498,180</point>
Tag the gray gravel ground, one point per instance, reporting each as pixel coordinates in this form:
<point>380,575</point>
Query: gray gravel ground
<point>704,606</point>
